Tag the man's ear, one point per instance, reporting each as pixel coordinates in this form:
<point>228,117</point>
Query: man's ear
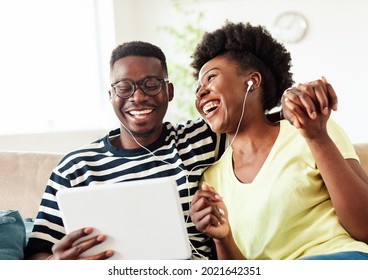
<point>170,90</point>
<point>110,96</point>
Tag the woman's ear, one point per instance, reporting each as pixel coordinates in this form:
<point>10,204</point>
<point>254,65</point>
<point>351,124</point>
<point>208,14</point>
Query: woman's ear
<point>253,80</point>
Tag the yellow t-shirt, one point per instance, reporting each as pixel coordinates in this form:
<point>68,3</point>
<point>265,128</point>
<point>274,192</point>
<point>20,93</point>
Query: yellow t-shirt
<point>286,212</point>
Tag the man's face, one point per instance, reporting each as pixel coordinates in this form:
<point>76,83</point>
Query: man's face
<point>141,114</point>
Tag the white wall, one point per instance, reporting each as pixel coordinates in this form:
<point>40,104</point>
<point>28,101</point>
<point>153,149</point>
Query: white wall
<point>335,45</point>
<point>55,142</point>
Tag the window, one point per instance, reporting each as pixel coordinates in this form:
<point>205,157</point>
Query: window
<point>54,65</point>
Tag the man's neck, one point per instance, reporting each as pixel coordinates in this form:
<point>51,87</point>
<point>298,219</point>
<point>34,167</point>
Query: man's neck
<point>127,140</point>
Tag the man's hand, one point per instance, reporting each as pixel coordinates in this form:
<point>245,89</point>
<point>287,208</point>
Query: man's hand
<point>71,246</point>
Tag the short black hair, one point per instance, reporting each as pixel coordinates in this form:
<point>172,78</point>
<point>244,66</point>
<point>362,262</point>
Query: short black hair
<point>252,48</point>
<point>138,48</point>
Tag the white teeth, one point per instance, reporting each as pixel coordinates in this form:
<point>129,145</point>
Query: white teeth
<point>140,112</point>
<point>209,106</point>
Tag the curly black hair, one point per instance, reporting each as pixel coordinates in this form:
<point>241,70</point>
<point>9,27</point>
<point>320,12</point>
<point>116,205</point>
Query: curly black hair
<point>253,48</point>
<point>138,48</point>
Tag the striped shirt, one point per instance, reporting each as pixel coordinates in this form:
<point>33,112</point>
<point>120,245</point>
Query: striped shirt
<point>182,152</point>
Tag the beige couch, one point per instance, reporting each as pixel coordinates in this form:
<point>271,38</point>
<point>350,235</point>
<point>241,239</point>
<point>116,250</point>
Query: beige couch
<point>23,177</point>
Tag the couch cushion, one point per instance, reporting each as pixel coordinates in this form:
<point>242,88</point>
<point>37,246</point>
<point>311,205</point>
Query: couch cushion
<point>23,178</point>
<point>12,235</point>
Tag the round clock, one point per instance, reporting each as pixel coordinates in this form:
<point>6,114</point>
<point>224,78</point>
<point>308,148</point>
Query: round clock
<point>290,27</point>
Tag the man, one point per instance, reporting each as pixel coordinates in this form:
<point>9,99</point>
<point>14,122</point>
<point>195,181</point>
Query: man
<point>139,94</point>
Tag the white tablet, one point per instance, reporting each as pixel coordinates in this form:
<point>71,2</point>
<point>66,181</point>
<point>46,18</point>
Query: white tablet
<point>142,219</point>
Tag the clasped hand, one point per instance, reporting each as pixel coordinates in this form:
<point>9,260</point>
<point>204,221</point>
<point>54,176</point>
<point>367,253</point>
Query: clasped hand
<point>209,214</point>
<point>308,107</point>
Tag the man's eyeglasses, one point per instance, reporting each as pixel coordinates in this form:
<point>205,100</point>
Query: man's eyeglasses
<point>150,86</point>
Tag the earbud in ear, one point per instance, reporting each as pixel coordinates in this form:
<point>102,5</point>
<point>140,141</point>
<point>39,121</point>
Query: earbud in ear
<point>250,84</point>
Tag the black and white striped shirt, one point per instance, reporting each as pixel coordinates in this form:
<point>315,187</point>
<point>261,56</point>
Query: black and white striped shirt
<point>182,152</point>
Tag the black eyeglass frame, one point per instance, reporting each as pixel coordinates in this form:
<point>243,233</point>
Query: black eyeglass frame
<point>139,84</point>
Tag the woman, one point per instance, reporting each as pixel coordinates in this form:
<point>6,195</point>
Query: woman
<point>287,192</point>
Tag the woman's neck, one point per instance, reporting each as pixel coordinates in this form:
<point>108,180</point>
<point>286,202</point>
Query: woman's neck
<point>251,149</point>
<point>253,135</point>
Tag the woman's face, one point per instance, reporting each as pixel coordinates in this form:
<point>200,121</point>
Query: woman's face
<point>220,94</point>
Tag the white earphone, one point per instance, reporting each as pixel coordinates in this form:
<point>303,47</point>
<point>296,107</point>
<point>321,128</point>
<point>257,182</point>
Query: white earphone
<point>250,84</point>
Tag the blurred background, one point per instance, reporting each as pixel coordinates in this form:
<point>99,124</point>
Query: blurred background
<point>54,58</point>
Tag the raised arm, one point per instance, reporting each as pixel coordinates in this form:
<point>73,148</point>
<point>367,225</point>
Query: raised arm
<point>345,179</point>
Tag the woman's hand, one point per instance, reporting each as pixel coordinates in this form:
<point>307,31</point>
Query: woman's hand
<point>208,213</point>
<point>308,100</point>
<point>308,107</point>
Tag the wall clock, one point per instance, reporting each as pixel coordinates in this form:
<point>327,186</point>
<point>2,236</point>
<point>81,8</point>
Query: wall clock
<point>290,27</point>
